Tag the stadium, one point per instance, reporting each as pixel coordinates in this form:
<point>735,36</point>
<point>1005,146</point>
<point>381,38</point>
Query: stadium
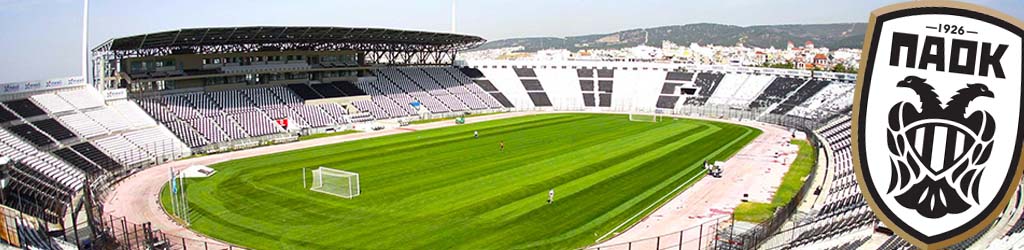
<point>360,138</point>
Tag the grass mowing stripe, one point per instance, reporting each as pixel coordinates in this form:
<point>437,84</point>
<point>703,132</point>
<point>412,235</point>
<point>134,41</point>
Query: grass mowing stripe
<point>430,189</point>
<point>580,181</point>
<point>718,148</point>
<point>661,200</point>
<point>609,168</point>
<point>644,211</point>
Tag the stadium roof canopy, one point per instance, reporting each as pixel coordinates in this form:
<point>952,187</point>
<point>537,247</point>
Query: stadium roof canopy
<point>268,38</point>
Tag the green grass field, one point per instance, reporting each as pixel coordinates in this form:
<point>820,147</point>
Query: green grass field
<point>443,189</point>
<point>792,181</point>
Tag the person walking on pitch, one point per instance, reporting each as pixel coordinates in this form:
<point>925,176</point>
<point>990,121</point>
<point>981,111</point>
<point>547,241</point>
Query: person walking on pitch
<point>551,196</point>
<point>501,146</point>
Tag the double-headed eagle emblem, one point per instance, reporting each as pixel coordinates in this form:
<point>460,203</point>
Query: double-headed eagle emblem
<point>938,154</point>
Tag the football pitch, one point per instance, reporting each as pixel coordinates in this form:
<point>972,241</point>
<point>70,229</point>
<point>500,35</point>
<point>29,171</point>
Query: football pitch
<point>444,189</point>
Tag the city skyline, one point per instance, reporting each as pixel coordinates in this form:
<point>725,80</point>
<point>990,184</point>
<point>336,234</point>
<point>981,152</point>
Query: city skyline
<point>47,43</point>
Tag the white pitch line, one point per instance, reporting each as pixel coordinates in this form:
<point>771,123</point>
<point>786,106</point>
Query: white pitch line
<point>673,191</point>
<point>648,207</point>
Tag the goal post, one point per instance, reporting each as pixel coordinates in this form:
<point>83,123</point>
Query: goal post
<point>335,182</point>
<point>643,117</point>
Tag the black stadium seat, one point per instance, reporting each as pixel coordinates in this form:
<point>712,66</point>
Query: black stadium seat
<point>585,72</point>
<point>327,90</point>
<point>31,134</point>
<point>78,161</point>
<point>540,99</point>
<point>304,91</point>
<point>97,156</point>
<point>502,99</point>
<point>55,129</point>
<point>525,72</point>
<point>486,85</point>
<point>348,88</point>
<point>25,108</point>
<point>605,100</point>
<point>6,116</point>
<point>532,85</point>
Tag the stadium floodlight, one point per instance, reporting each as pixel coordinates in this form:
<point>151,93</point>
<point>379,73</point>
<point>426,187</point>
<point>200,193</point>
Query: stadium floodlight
<point>635,117</point>
<point>335,182</point>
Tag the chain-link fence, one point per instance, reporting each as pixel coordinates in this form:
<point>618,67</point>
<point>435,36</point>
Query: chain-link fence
<point>127,235</point>
<point>703,236</point>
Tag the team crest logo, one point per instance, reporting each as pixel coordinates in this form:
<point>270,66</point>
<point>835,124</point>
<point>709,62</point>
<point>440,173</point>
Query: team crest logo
<point>937,121</point>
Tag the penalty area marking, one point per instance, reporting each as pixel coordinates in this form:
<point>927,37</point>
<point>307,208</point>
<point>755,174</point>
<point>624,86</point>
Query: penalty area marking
<point>648,207</point>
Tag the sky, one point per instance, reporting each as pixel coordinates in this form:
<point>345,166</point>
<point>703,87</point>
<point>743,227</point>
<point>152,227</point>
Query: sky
<point>41,39</point>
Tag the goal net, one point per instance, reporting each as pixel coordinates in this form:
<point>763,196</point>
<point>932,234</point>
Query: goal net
<point>335,182</point>
<point>643,117</point>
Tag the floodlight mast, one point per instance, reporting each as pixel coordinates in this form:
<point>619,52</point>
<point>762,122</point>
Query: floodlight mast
<point>453,16</point>
<point>85,41</point>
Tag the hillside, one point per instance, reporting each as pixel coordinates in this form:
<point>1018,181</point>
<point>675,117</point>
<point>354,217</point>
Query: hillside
<point>838,35</point>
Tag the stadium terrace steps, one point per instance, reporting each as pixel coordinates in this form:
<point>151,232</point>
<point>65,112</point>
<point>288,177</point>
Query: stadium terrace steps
<point>831,99</point>
<point>809,89</point>
<point>776,92</point>
<point>708,84</point>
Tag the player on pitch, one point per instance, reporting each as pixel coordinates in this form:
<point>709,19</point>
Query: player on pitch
<point>501,146</point>
<point>551,196</point>
<point>476,134</point>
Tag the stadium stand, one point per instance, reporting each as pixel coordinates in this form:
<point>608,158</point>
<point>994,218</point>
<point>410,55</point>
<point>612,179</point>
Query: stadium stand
<point>24,108</point>
<point>776,92</point>
<point>832,99</point>
<point>808,90</point>
<point>708,83</point>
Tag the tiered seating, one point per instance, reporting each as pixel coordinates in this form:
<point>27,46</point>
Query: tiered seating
<point>256,123</point>
<point>73,158</point>
<point>37,194</point>
<point>82,98</point>
<point>109,119</point>
<point>541,99</point>
<point>155,141</point>
<point>7,116</point>
<point>832,99</point>
<point>826,229</point>
<point>98,157</point>
<point>133,115</point>
<point>232,102</point>
<point>83,125</point>
<point>155,108</point>
<point>54,129</point>
<point>122,150</point>
<point>708,83</point>
<point>304,91</point>
<point>32,238</point>
<point>348,88</point>
<point>327,90</point>
<point>360,117</point>
<point>809,89</point>
<point>209,129</point>
<point>604,100</point>
<point>31,134</point>
<point>396,84</point>
<point>315,117</point>
<point>60,174</point>
<point>776,92</point>
<point>462,89</point>
<point>481,87</point>
<point>52,103</point>
<point>187,134</point>
<point>24,108</point>
<point>667,102</point>
<point>268,98</point>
